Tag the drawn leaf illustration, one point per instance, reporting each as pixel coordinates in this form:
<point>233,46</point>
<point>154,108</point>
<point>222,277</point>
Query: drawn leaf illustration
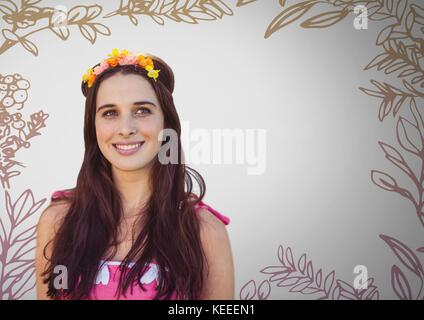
<point>302,284</point>
<point>400,284</point>
<point>288,16</point>
<point>302,263</point>
<point>8,7</point>
<point>409,136</point>
<point>272,269</point>
<point>405,255</point>
<point>264,290</point>
<point>394,157</point>
<point>88,32</point>
<point>244,2</point>
<point>326,19</point>
<point>281,255</point>
<point>62,32</point>
<point>383,180</point>
<point>17,246</point>
<point>289,281</point>
<point>29,46</point>
<point>346,291</point>
<point>83,14</point>
<point>384,35</point>
<point>289,257</point>
<point>248,291</point>
<point>318,278</point>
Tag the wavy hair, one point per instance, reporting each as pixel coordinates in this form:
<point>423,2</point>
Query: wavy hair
<point>170,229</point>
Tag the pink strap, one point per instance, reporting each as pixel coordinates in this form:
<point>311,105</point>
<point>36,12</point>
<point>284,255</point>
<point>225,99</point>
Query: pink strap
<point>59,194</point>
<point>226,220</point>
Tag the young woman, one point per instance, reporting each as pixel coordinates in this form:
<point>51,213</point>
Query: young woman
<point>132,228</point>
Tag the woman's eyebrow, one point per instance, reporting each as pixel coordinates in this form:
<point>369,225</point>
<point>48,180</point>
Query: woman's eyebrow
<point>111,105</point>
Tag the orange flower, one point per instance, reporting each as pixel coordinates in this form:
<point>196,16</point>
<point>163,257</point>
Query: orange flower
<point>149,62</point>
<point>91,80</point>
<point>141,60</point>
<point>113,62</point>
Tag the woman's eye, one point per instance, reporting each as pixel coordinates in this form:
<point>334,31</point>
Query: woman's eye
<point>107,113</point>
<point>111,112</point>
<point>146,110</point>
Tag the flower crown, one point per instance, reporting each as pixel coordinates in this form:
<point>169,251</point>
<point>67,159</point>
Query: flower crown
<point>121,58</point>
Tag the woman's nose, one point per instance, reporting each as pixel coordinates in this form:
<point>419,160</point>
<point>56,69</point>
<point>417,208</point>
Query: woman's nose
<point>127,126</point>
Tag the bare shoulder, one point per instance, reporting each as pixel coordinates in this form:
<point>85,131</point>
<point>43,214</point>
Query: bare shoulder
<point>48,224</point>
<point>52,216</point>
<point>220,283</point>
<point>210,225</point>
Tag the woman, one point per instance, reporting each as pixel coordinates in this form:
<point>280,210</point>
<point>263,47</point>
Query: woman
<point>132,228</point>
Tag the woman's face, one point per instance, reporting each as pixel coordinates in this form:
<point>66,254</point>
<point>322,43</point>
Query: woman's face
<point>128,111</point>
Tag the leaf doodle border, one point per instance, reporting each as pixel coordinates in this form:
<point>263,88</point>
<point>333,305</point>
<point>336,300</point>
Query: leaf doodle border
<point>402,42</point>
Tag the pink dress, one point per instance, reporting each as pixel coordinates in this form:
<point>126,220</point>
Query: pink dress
<point>106,283</point>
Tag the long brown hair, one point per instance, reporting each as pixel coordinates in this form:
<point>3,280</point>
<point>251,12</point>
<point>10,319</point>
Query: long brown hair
<point>170,232</point>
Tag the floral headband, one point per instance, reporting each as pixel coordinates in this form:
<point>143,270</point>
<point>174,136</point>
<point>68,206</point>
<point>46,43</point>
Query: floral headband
<point>121,58</point>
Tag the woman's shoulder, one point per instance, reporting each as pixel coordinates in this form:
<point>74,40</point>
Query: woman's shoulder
<point>211,218</point>
<point>54,213</point>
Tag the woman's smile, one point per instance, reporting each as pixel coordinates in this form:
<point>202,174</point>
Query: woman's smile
<point>128,149</point>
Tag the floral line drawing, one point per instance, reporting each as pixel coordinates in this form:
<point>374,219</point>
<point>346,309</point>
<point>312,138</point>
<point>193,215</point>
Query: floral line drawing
<point>58,19</point>
<point>17,236</point>
<point>179,11</point>
<point>402,40</point>
<point>409,260</point>
<point>15,132</point>
<point>17,246</point>
<point>300,277</point>
<point>29,15</point>
<point>410,136</point>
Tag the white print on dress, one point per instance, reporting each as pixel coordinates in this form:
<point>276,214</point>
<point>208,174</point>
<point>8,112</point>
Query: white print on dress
<point>103,276</point>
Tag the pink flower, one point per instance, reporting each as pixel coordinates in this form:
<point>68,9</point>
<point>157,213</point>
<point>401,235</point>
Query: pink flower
<point>127,60</point>
<point>102,67</point>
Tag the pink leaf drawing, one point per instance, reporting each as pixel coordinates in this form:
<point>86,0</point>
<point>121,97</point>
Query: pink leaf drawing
<point>405,255</point>
<point>303,280</point>
<point>400,284</point>
<point>17,245</point>
<point>248,291</point>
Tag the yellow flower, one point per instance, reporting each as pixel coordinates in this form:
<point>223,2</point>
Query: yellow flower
<point>124,53</point>
<point>115,53</point>
<point>87,75</point>
<point>152,73</point>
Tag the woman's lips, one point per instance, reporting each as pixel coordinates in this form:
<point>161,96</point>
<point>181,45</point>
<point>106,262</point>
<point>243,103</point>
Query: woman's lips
<point>128,150</point>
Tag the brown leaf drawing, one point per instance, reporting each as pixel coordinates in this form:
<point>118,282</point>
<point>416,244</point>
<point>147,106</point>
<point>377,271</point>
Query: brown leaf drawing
<point>191,11</point>
<point>325,19</point>
<point>288,16</point>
